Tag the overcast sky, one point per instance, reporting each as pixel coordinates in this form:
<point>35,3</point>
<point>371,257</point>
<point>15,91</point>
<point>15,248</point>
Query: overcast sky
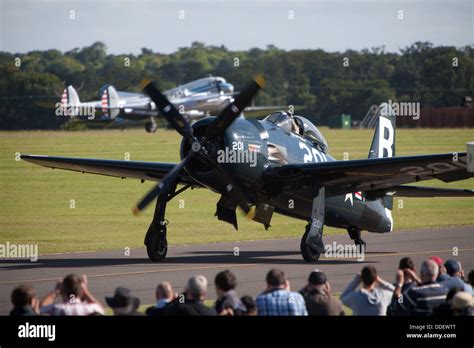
<point>126,26</point>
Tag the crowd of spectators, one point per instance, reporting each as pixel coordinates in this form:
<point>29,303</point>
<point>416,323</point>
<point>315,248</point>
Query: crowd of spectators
<point>439,289</point>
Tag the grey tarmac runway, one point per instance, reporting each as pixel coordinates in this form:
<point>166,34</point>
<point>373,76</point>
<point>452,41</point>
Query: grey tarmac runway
<point>107,270</point>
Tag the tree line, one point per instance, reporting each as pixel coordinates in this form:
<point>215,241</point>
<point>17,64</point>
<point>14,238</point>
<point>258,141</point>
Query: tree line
<point>321,85</point>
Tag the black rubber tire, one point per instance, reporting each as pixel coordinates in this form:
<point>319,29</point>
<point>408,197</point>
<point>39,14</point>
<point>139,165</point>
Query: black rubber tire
<point>150,127</point>
<point>156,249</point>
<point>308,253</point>
<point>361,243</point>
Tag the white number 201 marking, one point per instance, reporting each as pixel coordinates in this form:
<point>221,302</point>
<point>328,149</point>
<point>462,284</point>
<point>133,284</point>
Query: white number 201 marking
<point>311,155</point>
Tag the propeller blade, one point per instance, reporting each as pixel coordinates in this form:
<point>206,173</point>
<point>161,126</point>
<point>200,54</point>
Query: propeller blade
<point>233,110</point>
<point>162,188</point>
<point>167,109</point>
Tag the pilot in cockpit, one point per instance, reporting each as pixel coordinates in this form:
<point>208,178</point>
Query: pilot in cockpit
<point>285,121</point>
<point>298,125</point>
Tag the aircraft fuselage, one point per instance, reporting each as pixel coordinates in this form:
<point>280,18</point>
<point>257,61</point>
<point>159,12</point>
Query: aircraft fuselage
<point>272,146</point>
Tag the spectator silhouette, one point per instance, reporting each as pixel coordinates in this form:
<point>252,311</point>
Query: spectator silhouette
<point>24,300</point>
<point>227,300</point>
<point>368,294</point>
<point>277,299</point>
<point>318,298</point>
<point>123,303</point>
<point>164,295</point>
<point>73,298</point>
<point>422,299</point>
<point>191,303</point>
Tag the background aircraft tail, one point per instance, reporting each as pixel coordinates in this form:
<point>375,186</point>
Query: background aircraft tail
<point>70,100</point>
<point>70,97</point>
<point>110,101</point>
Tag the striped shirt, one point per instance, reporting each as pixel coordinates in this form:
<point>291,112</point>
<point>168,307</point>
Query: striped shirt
<point>421,300</point>
<point>72,309</point>
<point>281,302</point>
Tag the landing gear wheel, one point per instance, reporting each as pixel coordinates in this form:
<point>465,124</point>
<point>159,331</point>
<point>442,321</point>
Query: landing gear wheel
<point>157,247</point>
<point>361,244</point>
<point>308,253</point>
<point>150,127</point>
<point>355,234</point>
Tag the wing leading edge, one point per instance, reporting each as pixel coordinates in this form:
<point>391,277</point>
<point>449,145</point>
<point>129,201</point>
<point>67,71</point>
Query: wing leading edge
<point>423,191</point>
<point>154,171</point>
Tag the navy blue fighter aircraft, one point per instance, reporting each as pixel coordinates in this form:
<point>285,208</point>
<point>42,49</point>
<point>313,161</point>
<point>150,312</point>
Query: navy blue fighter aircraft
<point>280,164</point>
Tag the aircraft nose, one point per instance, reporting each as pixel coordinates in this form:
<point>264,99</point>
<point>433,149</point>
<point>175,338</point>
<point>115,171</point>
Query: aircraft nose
<point>227,87</point>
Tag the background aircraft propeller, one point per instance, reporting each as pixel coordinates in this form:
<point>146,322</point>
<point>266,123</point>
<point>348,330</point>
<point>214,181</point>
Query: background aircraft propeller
<point>214,130</point>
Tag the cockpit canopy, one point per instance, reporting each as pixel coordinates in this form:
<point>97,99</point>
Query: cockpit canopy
<point>281,119</point>
<point>309,131</point>
<point>299,125</point>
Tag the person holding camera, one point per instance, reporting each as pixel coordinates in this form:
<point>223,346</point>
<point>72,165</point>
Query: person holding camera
<point>71,297</point>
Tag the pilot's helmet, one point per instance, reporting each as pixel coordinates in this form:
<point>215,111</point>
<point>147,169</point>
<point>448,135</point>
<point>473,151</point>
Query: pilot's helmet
<point>300,125</point>
<point>286,122</point>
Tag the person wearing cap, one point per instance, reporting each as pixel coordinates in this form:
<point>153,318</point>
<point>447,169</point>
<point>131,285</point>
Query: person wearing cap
<point>123,303</point>
<point>462,303</point>
<point>422,299</point>
<point>278,299</point>
<point>317,296</point>
<point>368,294</point>
<point>456,276</point>
<point>191,303</point>
<point>442,275</point>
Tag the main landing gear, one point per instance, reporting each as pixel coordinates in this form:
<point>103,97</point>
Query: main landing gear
<point>312,245</point>
<point>151,127</point>
<point>155,239</point>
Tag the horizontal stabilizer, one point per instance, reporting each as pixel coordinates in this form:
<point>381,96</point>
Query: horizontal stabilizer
<point>420,191</point>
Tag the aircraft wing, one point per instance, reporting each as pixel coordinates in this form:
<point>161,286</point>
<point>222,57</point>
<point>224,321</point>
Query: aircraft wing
<point>424,191</point>
<point>154,171</point>
<point>260,111</point>
<point>341,177</point>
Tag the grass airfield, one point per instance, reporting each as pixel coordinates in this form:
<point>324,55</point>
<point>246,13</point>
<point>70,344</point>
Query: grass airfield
<point>65,211</point>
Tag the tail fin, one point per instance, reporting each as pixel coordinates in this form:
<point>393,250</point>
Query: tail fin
<point>110,101</point>
<point>70,97</point>
<point>383,143</point>
<point>70,100</point>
